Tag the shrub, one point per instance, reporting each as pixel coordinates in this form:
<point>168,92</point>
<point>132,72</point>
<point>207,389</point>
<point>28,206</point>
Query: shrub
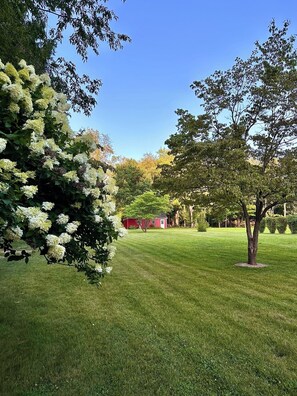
<point>262,225</point>
<point>271,224</point>
<point>202,224</point>
<point>52,194</point>
<point>292,223</point>
<point>281,224</point>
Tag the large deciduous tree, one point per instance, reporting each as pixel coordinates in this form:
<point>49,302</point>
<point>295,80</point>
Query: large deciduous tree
<point>130,181</point>
<point>33,29</point>
<point>150,163</point>
<point>146,207</point>
<point>243,149</point>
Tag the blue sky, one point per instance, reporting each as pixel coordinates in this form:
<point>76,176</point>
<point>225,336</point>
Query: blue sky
<point>173,44</point>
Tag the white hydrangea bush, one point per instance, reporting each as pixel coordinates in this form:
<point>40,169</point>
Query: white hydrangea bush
<point>52,194</point>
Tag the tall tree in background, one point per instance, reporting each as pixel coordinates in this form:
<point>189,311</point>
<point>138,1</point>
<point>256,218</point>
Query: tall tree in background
<point>103,152</point>
<point>131,182</point>
<point>150,163</point>
<point>136,177</point>
<point>149,166</point>
<point>26,33</point>
<point>243,149</point>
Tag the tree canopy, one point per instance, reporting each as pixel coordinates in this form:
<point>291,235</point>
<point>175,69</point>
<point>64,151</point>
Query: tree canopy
<point>146,207</point>
<point>33,29</point>
<point>150,163</point>
<point>242,149</point>
<point>130,181</point>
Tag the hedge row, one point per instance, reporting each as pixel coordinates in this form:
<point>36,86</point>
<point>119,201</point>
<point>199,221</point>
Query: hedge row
<point>280,224</point>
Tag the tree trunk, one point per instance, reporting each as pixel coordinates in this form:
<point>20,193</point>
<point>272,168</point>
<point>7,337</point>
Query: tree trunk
<point>191,209</point>
<point>146,224</point>
<point>252,236</point>
<point>176,218</point>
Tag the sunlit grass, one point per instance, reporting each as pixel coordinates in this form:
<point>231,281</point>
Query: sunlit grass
<point>176,317</point>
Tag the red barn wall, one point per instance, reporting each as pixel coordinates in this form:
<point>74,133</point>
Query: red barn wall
<point>153,223</point>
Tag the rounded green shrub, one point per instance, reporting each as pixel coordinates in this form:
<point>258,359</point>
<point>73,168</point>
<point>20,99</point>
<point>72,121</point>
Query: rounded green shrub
<point>262,225</point>
<point>292,223</point>
<point>281,224</point>
<point>202,224</point>
<point>271,224</point>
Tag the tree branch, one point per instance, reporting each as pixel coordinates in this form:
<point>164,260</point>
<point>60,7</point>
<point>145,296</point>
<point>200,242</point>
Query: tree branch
<point>268,208</point>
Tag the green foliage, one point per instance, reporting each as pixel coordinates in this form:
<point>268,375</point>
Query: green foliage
<point>22,38</point>
<point>52,194</point>
<point>271,224</point>
<point>281,224</point>
<point>147,206</point>
<point>262,225</point>
<point>242,150</point>
<point>202,224</point>
<point>32,30</point>
<point>292,223</point>
<point>130,181</point>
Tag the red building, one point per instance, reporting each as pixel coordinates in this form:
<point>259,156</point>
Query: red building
<point>158,222</point>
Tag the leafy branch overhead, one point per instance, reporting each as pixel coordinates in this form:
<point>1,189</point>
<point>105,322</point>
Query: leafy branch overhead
<point>33,29</point>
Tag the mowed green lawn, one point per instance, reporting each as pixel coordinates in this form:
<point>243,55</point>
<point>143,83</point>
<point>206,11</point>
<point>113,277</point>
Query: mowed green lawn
<point>176,317</point>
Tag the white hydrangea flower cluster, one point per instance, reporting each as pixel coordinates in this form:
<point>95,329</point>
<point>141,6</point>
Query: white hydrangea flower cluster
<point>3,143</point>
<point>58,158</point>
<point>71,176</point>
<point>98,268</point>
<point>108,207</point>
<point>7,165</point>
<point>56,250</point>
<point>47,206</point>
<point>110,186</point>
<point>81,158</point>
<point>4,187</point>
<point>50,163</point>
<point>13,233</point>
<point>23,176</point>
<point>29,191</point>
<point>36,218</point>
<point>62,219</point>
<point>11,174</point>
<point>118,225</point>
<point>64,238</point>
<point>111,251</point>
<point>36,125</point>
<point>52,240</point>
<point>71,228</point>
<point>122,232</point>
